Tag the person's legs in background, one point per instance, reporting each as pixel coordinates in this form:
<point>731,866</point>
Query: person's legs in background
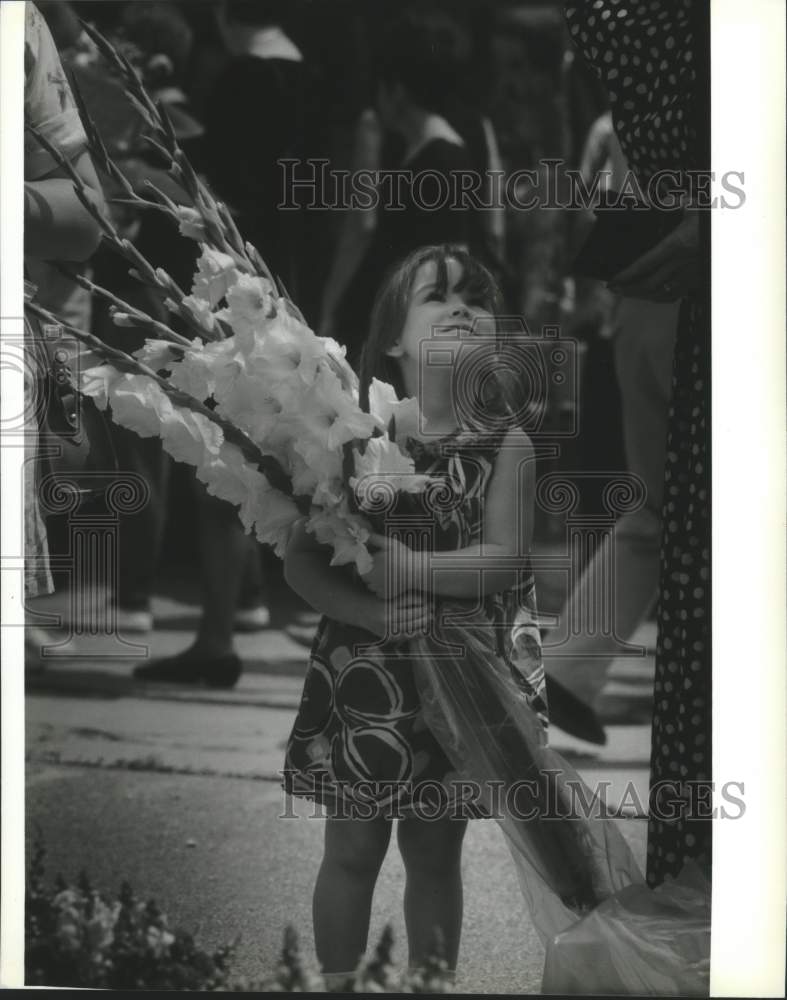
<point>644,350</point>
<point>252,611</point>
<point>140,534</point>
<point>228,560</point>
<point>226,553</point>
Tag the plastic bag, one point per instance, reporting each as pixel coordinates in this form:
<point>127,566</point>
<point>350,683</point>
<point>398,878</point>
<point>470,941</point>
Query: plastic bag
<point>640,941</point>
<point>568,859</point>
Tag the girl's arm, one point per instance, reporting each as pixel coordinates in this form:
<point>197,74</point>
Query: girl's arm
<point>57,225</point>
<point>486,568</point>
<point>333,592</point>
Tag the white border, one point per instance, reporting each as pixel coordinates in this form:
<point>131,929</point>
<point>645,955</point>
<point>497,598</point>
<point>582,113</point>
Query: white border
<point>748,498</point>
<point>12,842</point>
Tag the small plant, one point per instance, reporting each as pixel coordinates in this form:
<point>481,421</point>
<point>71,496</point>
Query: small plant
<point>433,976</point>
<point>292,975</point>
<point>76,937</point>
<point>380,975</point>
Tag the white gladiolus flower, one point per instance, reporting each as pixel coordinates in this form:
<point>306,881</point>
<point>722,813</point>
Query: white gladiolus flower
<point>384,404</point>
<point>384,465</point>
<point>251,409</point>
<point>157,354</point>
<point>330,415</point>
<point>382,457</point>
<point>208,369</point>
<point>190,223</point>
<point>346,533</point>
<point>328,493</point>
<point>305,479</point>
<point>336,350</point>
<point>249,304</point>
<point>256,501</point>
<point>228,475</point>
<point>194,375</point>
<point>324,486</point>
<point>280,440</point>
<point>139,404</point>
<point>200,310</point>
<point>273,515</point>
<point>188,436</point>
<point>287,349</point>
<point>97,383</point>
<point>226,364</point>
<point>216,273</point>
<point>326,463</point>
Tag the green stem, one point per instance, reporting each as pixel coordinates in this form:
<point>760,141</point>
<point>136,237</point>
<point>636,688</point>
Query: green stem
<point>143,318</point>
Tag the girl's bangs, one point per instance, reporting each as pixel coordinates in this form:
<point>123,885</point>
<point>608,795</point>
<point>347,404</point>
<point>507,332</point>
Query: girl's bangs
<point>475,283</point>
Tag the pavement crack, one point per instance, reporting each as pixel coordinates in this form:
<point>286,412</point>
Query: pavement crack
<point>96,734</point>
<point>150,765</point>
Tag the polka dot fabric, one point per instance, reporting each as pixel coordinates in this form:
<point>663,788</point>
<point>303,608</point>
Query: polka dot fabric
<point>643,54</point>
<point>681,738</point>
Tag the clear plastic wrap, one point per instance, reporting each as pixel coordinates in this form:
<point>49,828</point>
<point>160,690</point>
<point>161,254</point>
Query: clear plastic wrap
<point>640,941</point>
<point>568,859</point>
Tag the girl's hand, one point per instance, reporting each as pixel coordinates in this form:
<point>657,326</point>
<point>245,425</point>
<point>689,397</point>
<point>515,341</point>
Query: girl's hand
<point>395,568</point>
<point>669,271</point>
<point>401,618</point>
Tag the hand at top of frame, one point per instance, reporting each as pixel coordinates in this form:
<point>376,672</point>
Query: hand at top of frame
<point>667,272</point>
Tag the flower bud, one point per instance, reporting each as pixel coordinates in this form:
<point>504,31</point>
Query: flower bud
<point>123,319</point>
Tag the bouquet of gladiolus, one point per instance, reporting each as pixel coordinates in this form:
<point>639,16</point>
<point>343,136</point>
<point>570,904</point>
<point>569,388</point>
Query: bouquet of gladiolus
<point>266,411</point>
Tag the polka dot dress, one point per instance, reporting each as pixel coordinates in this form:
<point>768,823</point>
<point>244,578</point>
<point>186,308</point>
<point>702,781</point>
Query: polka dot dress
<point>644,55</point>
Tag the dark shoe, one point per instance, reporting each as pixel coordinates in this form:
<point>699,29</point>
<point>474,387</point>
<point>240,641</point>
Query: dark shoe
<point>186,668</point>
<point>573,716</point>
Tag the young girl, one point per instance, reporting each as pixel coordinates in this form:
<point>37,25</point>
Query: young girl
<point>360,744</point>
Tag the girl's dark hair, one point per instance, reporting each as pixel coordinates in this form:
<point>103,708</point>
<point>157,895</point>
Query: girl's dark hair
<point>390,312</point>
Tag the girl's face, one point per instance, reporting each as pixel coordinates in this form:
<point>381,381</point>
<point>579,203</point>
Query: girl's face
<point>447,316</point>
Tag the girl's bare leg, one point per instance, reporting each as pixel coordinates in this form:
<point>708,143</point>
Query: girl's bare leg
<point>432,855</point>
<point>354,852</point>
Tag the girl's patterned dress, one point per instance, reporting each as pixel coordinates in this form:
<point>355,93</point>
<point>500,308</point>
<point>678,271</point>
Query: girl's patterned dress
<point>360,734</point>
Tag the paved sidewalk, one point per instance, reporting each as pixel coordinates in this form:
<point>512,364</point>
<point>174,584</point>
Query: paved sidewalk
<point>177,791</point>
